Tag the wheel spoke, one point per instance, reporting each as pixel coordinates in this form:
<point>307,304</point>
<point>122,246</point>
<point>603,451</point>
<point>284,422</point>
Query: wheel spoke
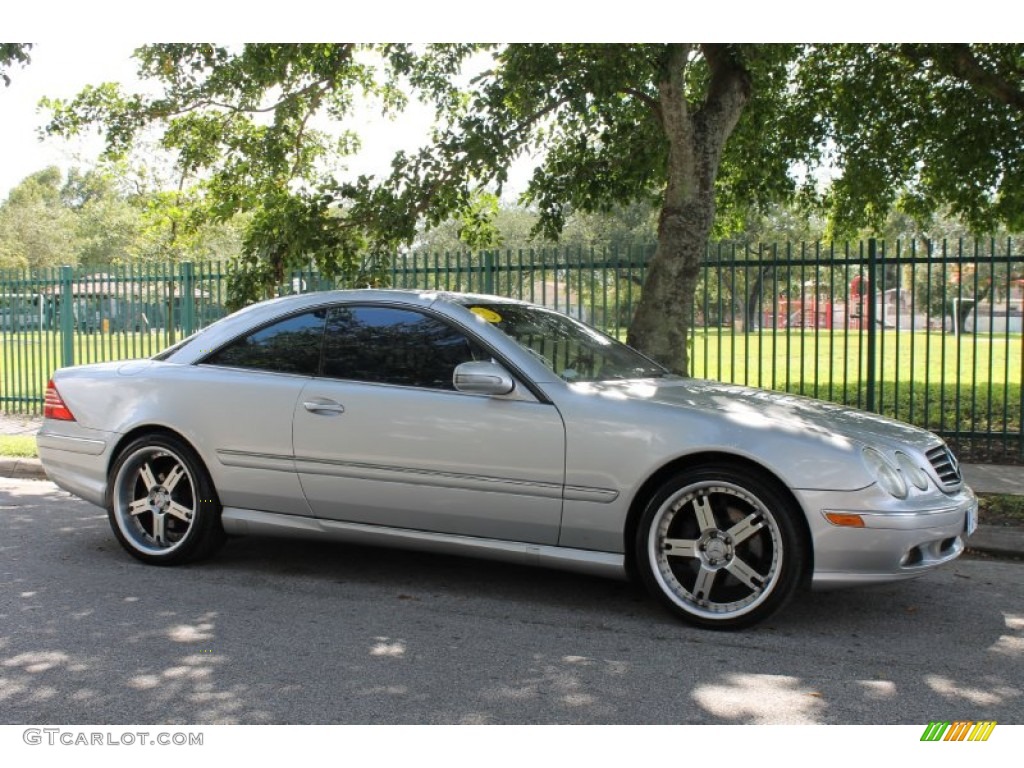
<point>702,509</point>
<point>148,478</point>
<point>746,528</point>
<point>159,529</point>
<point>180,511</point>
<point>680,547</point>
<point>173,477</point>
<point>139,506</point>
<point>746,574</point>
<point>702,586</point>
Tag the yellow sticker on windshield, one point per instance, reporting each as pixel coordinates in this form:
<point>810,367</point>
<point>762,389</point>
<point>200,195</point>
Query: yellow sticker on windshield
<point>486,314</point>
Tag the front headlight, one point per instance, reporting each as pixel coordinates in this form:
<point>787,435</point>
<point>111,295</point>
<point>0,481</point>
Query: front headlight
<point>888,477</point>
<point>912,471</point>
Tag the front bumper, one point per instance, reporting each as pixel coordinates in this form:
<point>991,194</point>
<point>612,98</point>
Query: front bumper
<point>899,540</point>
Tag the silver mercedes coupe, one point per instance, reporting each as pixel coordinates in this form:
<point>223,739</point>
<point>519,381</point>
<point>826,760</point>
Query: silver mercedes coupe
<point>489,427</point>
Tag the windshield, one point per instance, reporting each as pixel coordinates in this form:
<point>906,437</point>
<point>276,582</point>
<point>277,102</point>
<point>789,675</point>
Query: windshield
<point>573,350</point>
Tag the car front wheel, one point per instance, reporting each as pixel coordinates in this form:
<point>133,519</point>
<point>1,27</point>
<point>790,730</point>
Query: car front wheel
<point>161,502</point>
<point>720,547</point>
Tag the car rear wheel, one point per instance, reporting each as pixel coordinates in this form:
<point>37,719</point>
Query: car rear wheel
<point>161,502</point>
<point>720,547</point>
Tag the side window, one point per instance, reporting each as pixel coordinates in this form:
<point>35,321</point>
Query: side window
<point>291,345</point>
<point>394,346</point>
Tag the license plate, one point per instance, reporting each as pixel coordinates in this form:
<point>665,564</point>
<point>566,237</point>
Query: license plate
<point>972,519</point>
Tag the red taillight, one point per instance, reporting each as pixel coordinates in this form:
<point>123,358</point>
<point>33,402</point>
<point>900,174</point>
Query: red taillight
<point>53,404</point>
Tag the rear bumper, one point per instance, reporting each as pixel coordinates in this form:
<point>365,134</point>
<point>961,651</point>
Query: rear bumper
<point>76,458</point>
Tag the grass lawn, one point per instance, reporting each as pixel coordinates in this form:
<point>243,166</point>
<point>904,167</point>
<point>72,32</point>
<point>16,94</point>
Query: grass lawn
<point>792,357</point>
<point>17,446</point>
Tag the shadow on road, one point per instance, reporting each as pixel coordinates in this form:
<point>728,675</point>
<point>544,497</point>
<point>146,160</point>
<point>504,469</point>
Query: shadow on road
<point>279,631</point>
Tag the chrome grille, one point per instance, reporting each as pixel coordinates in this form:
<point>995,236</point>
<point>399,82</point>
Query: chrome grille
<point>945,465</point>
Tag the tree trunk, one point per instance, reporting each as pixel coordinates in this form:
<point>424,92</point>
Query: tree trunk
<point>696,138</point>
<point>752,307</point>
<point>660,327</point>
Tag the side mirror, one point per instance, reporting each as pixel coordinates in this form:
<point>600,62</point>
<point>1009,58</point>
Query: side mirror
<point>481,377</point>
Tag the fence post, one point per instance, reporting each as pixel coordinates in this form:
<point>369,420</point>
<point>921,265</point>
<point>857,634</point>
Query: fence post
<point>489,272</point>
<point>1020,427</point>
<point>67,317</point>
<point>872,324</point>
<point>188,298</point>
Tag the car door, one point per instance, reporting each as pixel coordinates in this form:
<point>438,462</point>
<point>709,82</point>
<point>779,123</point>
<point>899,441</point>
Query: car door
<point>381,437</point>
<point>243,403</point>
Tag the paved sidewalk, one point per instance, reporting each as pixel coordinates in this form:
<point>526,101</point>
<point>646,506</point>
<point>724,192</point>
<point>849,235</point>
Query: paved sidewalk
<point>19,425</point>
<point>994,478</point>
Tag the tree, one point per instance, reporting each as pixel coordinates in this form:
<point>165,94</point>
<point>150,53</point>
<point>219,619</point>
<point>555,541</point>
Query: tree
<point>618,124</point>
<point>700,130</point>
<point>109,215</point>
<point>242,121</point>
<point>13,53</point>
<point>925,128</point>
<point>36,228</point>
<point>489,224</point>
<point>107,223</point>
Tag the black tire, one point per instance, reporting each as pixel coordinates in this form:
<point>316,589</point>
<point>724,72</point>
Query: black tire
<point>738,553</point>
<point>161,502</point>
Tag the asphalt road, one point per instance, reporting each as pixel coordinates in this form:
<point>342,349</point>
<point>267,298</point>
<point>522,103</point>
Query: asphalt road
<point>295,632</point>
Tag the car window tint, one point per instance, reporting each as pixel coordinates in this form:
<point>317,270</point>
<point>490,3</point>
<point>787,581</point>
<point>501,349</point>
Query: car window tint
<point>291,345</point>
<point>385,345</point>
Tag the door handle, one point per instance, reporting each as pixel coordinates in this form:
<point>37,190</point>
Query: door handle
<point>324,407</point>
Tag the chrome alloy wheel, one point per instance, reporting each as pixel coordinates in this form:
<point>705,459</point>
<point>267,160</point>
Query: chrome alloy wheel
<point>154,500</point>
<point>715,550</point>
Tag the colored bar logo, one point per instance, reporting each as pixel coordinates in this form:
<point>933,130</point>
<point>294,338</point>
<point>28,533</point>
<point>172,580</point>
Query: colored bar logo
<point>959,730</point>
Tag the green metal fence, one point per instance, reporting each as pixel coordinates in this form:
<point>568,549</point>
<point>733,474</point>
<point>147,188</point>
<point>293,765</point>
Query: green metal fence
<point>928,332</point>
<point>61,317</point>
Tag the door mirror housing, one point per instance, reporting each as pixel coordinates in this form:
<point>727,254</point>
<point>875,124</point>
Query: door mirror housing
<point>483,377</point>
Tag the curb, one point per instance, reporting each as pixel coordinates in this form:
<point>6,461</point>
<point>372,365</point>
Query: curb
<point>994,540</point>
<point>997,541</point>
<point>22,469</point>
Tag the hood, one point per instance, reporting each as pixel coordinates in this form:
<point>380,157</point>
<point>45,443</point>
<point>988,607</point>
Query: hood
<point>759,407</point>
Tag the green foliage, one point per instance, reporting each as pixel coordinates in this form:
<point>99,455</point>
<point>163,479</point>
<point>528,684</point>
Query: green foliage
<point>296,232</point>
<point>106,216</point>
<point>510,224</point>
<point>702,132</point>
<point>619,228</point>
<point>242,119</point>
<point>477,227</point>
<point>616,231</point>
<point>1001,509</point>
<point>36,228</point>
<point>13,53</point>
<point>922,126</point>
